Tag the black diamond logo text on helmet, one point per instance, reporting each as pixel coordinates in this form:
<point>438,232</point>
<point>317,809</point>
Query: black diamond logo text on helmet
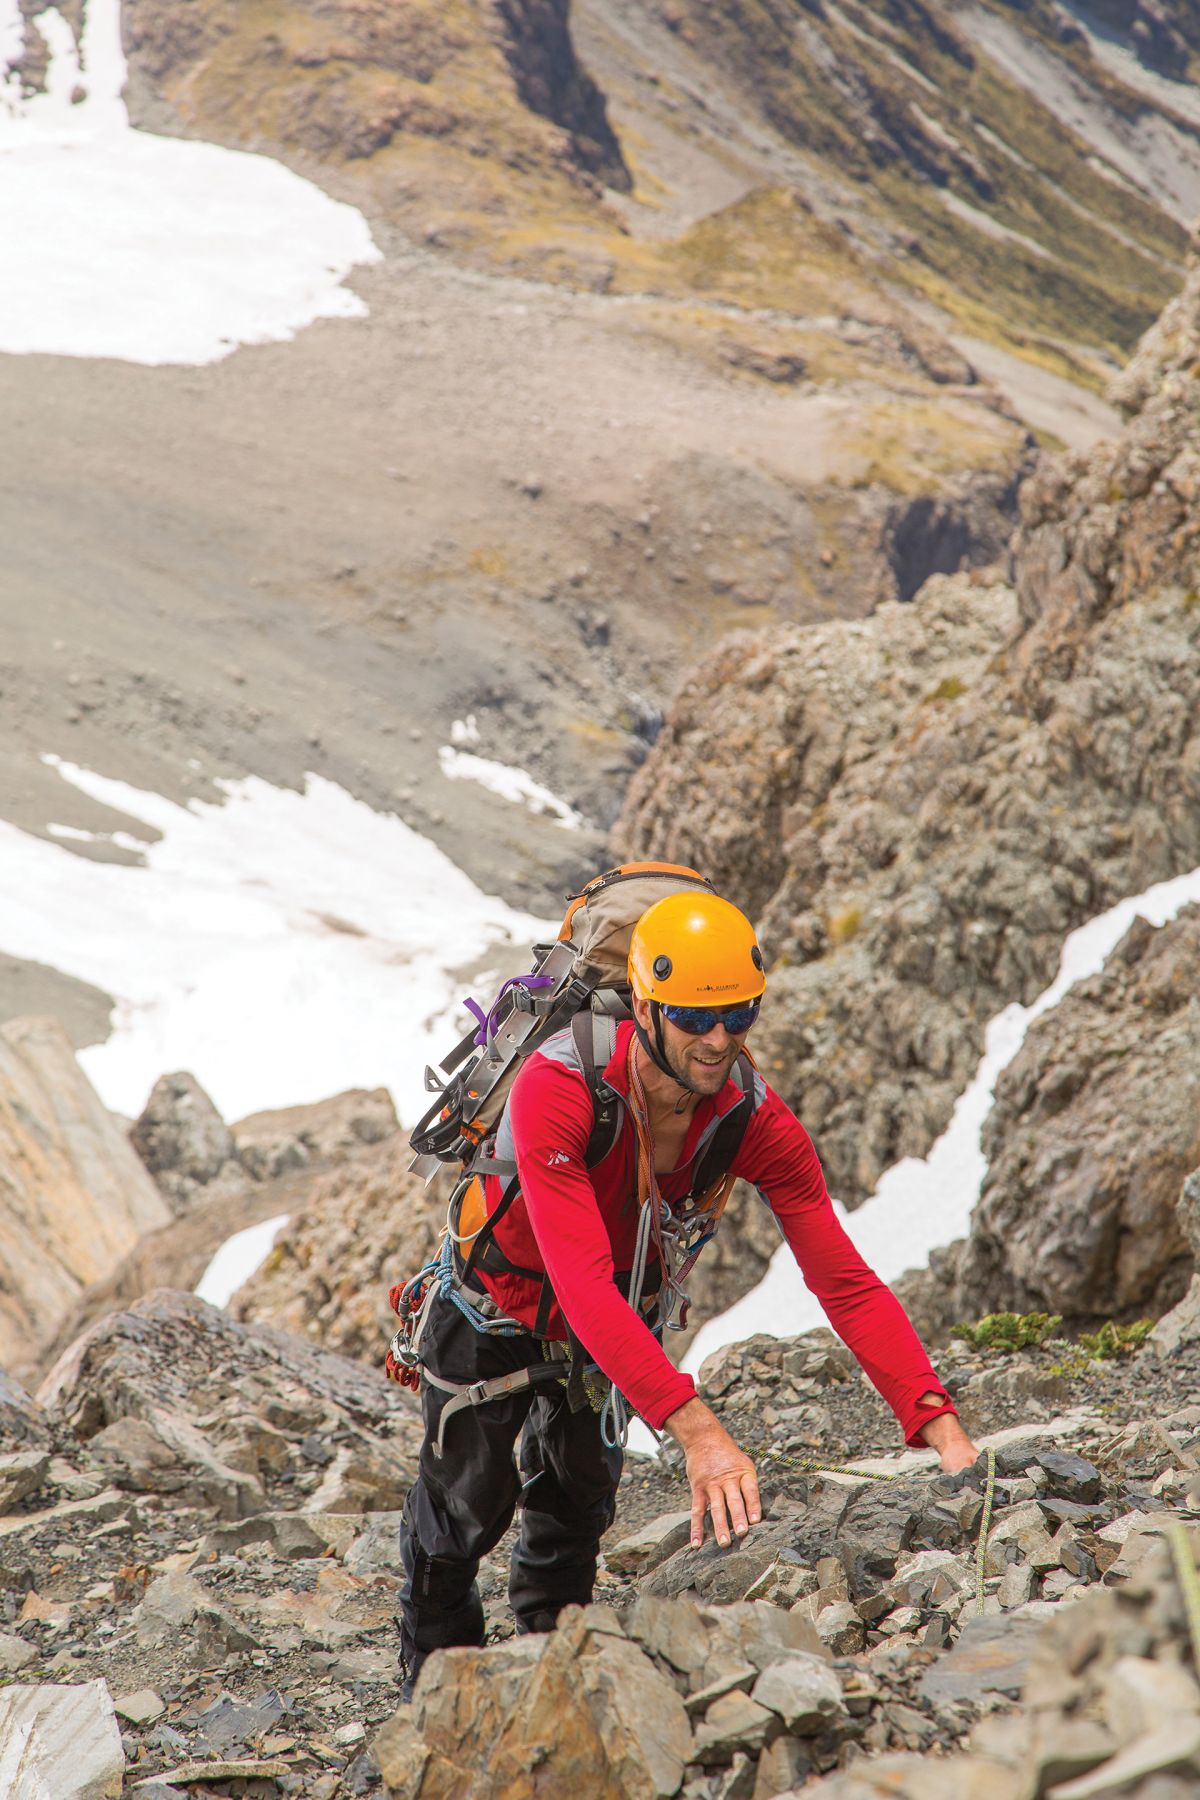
<point>662,967</point>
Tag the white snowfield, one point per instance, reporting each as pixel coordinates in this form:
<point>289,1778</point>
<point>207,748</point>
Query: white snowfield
<point>239,1257</point>
<point>509,783</point>
<point>116,243</point>
<point>281,946</point>
<point>921,1206</point>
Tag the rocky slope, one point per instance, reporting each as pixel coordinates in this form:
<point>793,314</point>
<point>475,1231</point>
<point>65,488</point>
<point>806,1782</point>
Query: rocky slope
<point>993,159</point>
<point>381,85</point>
<point>367,1225</point>
<point>74,1199</point>
<point>915,866</point>
<point>220,1179</point>
<point>198,1527</point>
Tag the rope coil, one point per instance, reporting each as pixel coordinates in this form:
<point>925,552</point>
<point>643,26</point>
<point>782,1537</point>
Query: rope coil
<point>1189,1584</point>
<point>985,1525</point>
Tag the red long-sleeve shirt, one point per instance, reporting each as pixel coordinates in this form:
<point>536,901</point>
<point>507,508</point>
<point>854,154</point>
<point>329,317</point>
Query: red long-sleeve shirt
<point>580,1225</point>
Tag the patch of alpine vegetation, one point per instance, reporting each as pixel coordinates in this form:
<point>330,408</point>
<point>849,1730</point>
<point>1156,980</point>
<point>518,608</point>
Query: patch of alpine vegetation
<point>920,807</point>
<point>1010,206</point>
<point>487,88</point>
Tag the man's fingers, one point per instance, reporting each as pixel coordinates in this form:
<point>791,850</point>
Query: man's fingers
<point>699,1507</point>
<point>737,1506</point>
<point>716,1505</point>
<point>753,1497</point>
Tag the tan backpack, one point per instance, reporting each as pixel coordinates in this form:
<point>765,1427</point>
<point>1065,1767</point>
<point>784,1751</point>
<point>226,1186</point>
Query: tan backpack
<point>584,970</point>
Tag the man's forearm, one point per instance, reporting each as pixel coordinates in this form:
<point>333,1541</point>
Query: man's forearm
<point>721,1476</point>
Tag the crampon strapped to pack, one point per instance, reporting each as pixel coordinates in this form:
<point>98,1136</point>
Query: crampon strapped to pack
<point>580,981</point>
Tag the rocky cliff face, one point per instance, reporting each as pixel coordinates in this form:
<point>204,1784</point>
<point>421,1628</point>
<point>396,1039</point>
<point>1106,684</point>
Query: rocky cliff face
<point>366,1225</point>
<point>550,81</point>
<point>74,1199</point>
<point>219,1179</point>
<point>1095,1126</point>
<point>345,83</point>
<point>916,861</point>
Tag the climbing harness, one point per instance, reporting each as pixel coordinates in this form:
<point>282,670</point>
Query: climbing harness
<point>412,1302</point>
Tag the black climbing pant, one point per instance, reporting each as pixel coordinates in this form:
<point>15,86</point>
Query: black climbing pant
<point>463,1501</point>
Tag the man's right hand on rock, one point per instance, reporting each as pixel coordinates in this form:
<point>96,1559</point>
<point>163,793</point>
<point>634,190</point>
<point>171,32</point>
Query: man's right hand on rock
<point>721,1476</point>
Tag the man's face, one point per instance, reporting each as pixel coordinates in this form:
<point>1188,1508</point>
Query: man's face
<point>704,1062</point>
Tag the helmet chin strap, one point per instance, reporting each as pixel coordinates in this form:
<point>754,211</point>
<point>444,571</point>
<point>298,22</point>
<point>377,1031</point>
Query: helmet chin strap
<point>657,1051</point>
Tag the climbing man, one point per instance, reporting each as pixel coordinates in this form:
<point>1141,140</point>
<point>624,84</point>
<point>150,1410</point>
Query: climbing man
<point>567,1282</point>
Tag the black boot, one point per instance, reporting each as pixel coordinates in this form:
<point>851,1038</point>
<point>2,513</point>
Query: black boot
<point>411,1663</point>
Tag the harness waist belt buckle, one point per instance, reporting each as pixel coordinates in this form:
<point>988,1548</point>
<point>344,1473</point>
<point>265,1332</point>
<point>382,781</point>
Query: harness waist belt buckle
<point>478,1393</point>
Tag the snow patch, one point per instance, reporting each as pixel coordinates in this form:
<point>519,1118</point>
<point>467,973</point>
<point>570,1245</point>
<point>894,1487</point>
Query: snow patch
<point>239,1257</point>
<point>511,784</point>
<point>120,244</point>
<point>282,946</point>
<point>922,1205</point>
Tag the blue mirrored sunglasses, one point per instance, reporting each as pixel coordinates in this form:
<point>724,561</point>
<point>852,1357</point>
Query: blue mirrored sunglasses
<point>697,1020</point>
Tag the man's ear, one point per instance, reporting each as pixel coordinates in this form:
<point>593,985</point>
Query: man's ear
<point>641,1011</point>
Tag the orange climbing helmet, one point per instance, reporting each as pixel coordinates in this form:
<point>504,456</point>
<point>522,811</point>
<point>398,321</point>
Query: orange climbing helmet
<point>695,950</point>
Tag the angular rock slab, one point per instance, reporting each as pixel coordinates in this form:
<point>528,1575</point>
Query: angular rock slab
<point>15,1653</point>
<point>1174,1746</point>
<point>991,1657</point>
<point>60,1743</point>
<point>583,1707</point>
<point>921,1778</point>
<point>22,1473</point>
<point>652,1544</point>
<point>717,1574</point>
<point>803,1691</point>
<point>22,1420</point>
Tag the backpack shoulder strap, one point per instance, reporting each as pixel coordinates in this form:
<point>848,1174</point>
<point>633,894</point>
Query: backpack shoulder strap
<point>721,1151</point>
<point>595,1035</point>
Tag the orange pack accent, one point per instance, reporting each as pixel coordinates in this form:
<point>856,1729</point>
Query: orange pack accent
<point>472,1209</point>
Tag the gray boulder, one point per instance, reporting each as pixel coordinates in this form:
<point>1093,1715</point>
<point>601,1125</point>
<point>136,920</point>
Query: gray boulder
<point>182,1138</point>
<point>1096,1125</point>
<point>1182,1324</point>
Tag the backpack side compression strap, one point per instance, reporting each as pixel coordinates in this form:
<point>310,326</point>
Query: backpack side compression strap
<point>595,1037</point>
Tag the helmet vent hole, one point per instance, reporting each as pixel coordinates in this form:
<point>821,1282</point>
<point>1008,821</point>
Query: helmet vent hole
<point>756,957</point>
<point>662,968</point>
